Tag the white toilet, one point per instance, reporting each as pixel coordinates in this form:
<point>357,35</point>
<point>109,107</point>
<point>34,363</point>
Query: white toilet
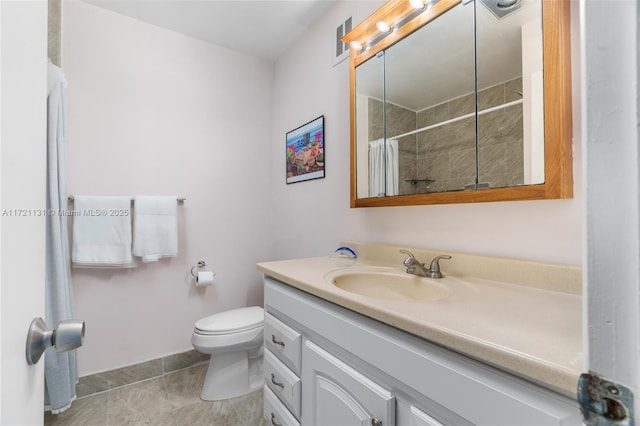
<point>234,339</point>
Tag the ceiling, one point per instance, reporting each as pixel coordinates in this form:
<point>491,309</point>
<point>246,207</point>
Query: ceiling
<point>261,28</point>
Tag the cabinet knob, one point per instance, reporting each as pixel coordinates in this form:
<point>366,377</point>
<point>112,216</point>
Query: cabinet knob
<point>376,422</point>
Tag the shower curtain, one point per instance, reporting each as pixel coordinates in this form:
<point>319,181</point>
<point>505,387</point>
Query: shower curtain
<point>383,168</point>
<point>60,369</point>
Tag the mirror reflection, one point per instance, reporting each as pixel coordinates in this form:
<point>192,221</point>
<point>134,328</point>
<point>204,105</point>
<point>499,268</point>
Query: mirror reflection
<point>372,177</point>
<point>430,117</point>
<point>510,92</point>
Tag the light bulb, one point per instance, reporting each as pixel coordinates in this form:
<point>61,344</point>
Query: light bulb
<point>356,45</point>
<point>383,27</point>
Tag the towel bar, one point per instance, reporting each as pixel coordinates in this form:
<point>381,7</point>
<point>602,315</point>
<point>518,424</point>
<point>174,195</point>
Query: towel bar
<point>180,200</point>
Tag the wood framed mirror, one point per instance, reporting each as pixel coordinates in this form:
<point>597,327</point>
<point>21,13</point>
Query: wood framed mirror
<point>461,102</point>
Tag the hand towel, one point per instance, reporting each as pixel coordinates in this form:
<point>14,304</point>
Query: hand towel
<point>102,232</point>
<point>155,227</point>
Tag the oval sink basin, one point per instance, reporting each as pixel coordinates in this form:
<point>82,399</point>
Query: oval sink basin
<point>388,284</point>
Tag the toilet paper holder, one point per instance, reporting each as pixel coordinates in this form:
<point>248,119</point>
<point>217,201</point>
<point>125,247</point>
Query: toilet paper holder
<point>200,264</point>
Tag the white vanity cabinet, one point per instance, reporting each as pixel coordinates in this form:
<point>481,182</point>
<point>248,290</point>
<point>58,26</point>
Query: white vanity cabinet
<point>354,370</point>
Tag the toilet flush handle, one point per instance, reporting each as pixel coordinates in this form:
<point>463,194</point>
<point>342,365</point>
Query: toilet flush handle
<point>276,341</point>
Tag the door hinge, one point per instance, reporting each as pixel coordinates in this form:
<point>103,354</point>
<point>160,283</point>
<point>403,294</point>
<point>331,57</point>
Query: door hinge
<point>603,402</point>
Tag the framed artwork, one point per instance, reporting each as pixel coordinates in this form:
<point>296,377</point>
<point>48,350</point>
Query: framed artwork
<point>305,152</point>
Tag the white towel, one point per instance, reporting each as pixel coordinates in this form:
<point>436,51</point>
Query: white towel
<point>102,232</point>
<point>155,227</point>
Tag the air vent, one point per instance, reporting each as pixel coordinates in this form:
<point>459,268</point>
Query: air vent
<point>502,8</point>
<point>341,49</point>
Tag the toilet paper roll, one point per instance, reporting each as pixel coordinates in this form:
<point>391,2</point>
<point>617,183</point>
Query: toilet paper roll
<point>204,278</point>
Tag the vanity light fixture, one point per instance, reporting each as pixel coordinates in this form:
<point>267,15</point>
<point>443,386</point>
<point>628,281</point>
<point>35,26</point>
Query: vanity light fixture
<point>387,20</point>
<point>383,27</point>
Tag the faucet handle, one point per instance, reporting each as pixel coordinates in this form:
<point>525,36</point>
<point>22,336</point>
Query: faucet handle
<point>435,266</point>
<point>407,262</point>
<point>407,252</point>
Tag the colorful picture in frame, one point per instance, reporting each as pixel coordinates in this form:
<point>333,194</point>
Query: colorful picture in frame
<point>305,152</point>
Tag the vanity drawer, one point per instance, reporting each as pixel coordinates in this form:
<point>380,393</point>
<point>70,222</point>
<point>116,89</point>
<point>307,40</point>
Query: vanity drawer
<point>283,341</point>
<point>282,382</point>
<point>275,413</point>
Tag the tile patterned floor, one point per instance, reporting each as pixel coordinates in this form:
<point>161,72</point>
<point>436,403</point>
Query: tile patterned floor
<point>173,399</point>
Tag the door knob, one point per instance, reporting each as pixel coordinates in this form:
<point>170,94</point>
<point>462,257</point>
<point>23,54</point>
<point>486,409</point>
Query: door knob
<point>67,336</point>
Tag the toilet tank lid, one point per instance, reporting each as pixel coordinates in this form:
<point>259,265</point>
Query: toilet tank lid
<point>233,320</point>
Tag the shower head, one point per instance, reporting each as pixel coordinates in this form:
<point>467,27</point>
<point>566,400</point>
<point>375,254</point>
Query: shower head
<point>502,8</point>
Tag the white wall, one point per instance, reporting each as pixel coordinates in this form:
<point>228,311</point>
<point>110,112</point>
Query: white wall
<point>158,113</point>
<point>314,216</point>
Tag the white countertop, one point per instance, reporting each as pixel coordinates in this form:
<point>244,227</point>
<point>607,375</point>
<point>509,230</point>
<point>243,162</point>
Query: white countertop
<point>531,331</point>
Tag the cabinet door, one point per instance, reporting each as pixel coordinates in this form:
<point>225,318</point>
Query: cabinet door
<point>333,393</point>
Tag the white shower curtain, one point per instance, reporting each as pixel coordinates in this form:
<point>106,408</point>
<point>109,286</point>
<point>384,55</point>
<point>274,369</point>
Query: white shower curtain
<point>60,369</point>
<point>383,168</point>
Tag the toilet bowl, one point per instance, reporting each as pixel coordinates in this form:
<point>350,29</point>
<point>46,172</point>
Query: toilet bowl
<point>234,339</point>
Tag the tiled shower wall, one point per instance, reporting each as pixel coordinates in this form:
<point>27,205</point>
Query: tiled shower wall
<point>447,154</point>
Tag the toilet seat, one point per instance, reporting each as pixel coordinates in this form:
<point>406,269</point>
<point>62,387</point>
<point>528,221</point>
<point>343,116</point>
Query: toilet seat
<point>229,322</point>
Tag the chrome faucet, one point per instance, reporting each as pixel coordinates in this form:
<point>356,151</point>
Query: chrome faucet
<point>415,267</point>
